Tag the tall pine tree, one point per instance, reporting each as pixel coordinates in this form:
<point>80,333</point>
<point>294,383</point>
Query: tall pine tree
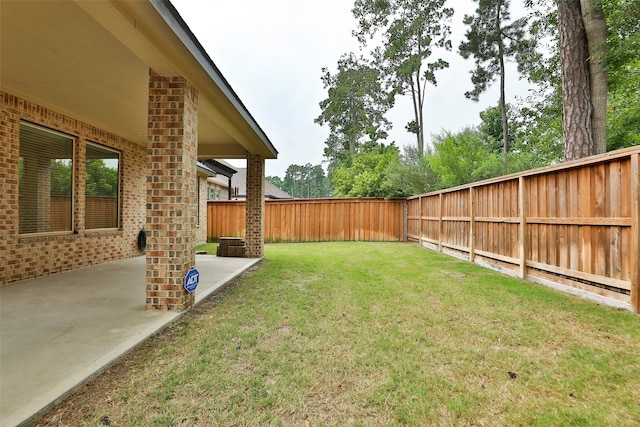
<point>411,32</point>
<point>490,40</point>
<point>354,108</point>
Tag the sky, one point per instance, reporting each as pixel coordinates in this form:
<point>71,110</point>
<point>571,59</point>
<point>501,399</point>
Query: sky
<point>272,54</point>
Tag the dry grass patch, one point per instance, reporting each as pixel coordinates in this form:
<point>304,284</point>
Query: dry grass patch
<point>375,334</point>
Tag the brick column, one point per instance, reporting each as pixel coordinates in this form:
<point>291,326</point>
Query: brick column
<point>254,239</point>
<point>171,191</point>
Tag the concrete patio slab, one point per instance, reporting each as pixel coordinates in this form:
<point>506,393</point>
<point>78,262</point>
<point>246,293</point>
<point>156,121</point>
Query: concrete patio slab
<point>58,332</point>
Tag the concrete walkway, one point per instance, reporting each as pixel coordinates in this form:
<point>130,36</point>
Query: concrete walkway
<point>59,331</point>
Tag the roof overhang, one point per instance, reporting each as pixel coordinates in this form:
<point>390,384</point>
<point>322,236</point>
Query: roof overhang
<point>204,170</point>
<point>90,60</point>
<point>219,168</point>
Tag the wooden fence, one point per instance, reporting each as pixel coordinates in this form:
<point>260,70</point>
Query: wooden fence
<point>314,220</point>
<point>576,224</point>
<point>100,212</point>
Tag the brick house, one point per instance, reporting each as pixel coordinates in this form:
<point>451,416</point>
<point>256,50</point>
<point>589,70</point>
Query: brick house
<point>239,188</point>
<point>105,108</point>
<point>230,183</point>
<point>220,184</point>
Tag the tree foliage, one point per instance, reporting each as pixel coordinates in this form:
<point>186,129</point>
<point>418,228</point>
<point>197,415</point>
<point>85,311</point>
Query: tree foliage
<point>467,156</point>
<point>100,180</point>
<point>410,174</point>
<point>623,65</point>
<point>623,21</point>
<point>623,120</point>
<point>539,131</point>
<point>404,38</point>
<point>61,177</point>
<point>492,124</point>
<point>354,108</point>
<point>460,158</point>
<point>365,174</point>
<point>410,31</point>
<point>534,129</point>
<point>490,40</point>
<point>304,181</point>
<point>275,180</point>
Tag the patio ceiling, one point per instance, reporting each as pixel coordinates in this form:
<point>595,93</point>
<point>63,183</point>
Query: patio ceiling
<point>91,59</point>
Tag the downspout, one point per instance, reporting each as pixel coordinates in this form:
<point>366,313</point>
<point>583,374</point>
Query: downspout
<point>229,188</point>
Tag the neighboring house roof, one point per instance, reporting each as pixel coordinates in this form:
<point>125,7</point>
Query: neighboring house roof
<point>224,172</point>
<point>91,61</point>
<point>205,170</point>
<point>220,167</point>
<point>219,180</point>
<point>239,187</point>
<point>239,180</point>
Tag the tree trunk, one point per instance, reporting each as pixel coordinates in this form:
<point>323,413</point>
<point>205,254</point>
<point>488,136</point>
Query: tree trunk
<point>503,106</point>
<point>421,132</point>
<point>417,112</point>
<point>576,93</point>
<point>596,33</point>
<point>350,134</point>
<point>421,115</point>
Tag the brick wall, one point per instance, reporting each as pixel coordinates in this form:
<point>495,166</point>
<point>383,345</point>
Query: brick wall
<point>254,237</point>
<point>201,234</point>
<point>221,191</point>
<point>26,257</point>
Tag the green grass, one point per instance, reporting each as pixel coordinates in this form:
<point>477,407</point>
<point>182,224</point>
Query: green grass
<point>209,248</point>
<point>380,334</point>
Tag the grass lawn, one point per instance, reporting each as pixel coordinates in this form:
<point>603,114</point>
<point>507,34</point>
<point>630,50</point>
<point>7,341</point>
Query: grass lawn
<point>375,334</point>
<point>209,248</point>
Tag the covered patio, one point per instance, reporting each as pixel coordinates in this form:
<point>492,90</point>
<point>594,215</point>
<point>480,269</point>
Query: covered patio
<point>122,89</point>
<point>59,331</point>
<point>106,107</point>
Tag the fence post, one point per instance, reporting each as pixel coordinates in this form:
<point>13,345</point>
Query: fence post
<point>522,229</point>
<point>405,236</point>
<point>472,231</point>
<point>420,213</point>
<point>440,222</point>
<point>635,232</point>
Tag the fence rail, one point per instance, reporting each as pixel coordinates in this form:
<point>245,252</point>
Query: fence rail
<point>314,220</point>
<point>575,224</point>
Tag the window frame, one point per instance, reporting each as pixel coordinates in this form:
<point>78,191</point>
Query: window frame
<point>74,141</point>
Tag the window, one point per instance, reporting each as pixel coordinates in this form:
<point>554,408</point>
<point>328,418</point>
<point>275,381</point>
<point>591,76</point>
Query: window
<point>102,187</point>
<point>45,180</point>
<point>214,193</point>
